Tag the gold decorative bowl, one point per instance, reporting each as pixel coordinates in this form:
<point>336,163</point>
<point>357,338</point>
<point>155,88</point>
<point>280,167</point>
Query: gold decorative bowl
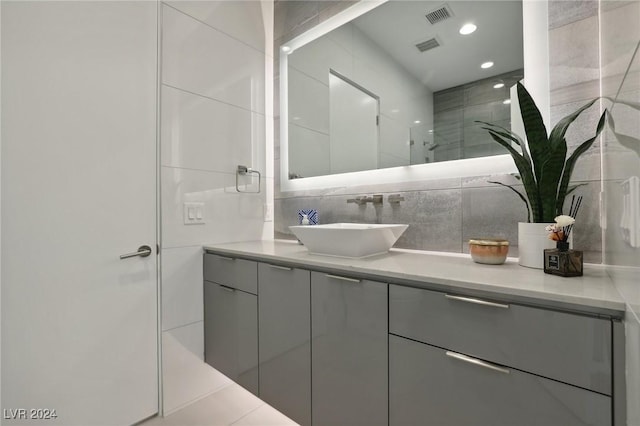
<point>491,251</point>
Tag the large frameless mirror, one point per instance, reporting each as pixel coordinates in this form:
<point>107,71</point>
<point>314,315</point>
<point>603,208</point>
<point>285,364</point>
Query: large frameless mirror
<point>396,84</point>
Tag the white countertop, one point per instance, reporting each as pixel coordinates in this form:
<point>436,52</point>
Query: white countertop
<point>593,292</point>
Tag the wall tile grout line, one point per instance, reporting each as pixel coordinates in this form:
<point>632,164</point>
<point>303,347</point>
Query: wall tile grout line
<point>216,29</point>
<point>199,170</point>
<point>214,99</point>
<point>309,129</point>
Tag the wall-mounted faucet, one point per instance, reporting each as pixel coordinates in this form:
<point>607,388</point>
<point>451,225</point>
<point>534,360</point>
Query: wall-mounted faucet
<point>358,200</point>
<point>376,200</point>
<point>395,198</point>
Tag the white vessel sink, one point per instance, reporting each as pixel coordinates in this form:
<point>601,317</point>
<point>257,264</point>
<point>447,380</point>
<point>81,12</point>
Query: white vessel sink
<point>349,239</point>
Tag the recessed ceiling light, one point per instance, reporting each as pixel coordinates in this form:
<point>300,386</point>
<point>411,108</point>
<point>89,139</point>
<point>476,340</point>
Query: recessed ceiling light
<point>417,122</point>
<point>498,85</point>
<point>467,29</point>
<point>286,49</point>
<point>486,65</point>
<point>506,101</point>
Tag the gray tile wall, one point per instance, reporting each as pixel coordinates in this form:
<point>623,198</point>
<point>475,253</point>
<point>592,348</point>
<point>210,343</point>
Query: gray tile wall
<point>443,215</point>
<point>574,61</point>
<point>456,110</point>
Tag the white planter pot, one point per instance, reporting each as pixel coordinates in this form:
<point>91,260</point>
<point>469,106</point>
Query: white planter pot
<point>532,240</point>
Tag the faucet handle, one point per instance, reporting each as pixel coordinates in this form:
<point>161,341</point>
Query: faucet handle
<point>376,200</point>
<point>360,200</point>
<point>395,198</point>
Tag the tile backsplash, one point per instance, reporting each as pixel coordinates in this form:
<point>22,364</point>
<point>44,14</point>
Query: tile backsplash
<point>442,215</point>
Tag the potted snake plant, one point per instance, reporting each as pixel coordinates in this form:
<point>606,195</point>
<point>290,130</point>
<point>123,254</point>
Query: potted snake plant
<point>544,170</point>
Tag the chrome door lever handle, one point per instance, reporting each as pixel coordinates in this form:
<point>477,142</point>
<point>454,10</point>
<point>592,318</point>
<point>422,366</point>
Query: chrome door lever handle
<point>143,251</point>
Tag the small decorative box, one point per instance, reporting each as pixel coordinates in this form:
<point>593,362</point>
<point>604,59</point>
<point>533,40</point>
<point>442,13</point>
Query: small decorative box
<point>562,261</point>
<point>311,214</point>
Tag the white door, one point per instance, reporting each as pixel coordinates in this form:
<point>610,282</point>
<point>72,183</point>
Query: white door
<point>79,325</point>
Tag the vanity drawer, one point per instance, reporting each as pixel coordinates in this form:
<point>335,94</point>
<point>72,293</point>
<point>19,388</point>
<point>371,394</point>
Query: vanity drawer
<point>567,347</point>
<point>231,272</point>
<point>451,389</point>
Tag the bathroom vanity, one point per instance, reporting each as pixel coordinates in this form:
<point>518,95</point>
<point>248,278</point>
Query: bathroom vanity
<point>412,338</point>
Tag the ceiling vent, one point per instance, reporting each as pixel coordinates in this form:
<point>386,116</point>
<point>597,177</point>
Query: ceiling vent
<point>440,14</point>
<point>428,45</point>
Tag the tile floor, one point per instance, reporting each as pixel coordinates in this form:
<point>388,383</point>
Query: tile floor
<point>230,405</point>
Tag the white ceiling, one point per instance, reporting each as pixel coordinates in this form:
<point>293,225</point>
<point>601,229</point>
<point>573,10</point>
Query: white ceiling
<point>398,25</point>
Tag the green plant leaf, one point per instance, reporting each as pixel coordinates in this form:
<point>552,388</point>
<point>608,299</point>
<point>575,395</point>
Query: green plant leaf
<point>506,133</point>
<point>552,169</point>
<point>526,173</point>
<point>560,129</point>
<point>502,130</point>
<point>522,197</point>
<point>535,130</point>
<point>550,174</point>
<point>571,162</point>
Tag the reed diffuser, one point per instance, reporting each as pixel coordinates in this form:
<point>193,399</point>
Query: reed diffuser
<point>562,260</point>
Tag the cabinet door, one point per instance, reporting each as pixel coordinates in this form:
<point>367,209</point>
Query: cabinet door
<point>349,351</point>
<point>231,333</point>
<point>285,342</point>
<point>429,386</point>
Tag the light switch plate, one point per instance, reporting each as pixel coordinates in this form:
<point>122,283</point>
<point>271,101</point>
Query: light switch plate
<point>193,213</point>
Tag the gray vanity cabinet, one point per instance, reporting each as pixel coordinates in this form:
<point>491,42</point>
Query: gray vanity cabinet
<point>285,340</point>
<point>231,319</point>
<point>429,385</point>
<point>327,349</point>
<point>349,351</point>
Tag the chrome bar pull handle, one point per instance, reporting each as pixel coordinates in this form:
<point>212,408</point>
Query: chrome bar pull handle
<point>477,301</point>
<point>338,277</point>
<point>143,251</point>
<point>477,362</point>
<point>225,288</point>
<point>225,257</point>
<point>283,268</point>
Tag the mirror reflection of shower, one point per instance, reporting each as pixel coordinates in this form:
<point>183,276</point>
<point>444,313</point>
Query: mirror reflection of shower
<point>423,145</point>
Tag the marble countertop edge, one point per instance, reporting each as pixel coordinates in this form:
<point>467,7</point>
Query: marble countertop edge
<point>455,272</point>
